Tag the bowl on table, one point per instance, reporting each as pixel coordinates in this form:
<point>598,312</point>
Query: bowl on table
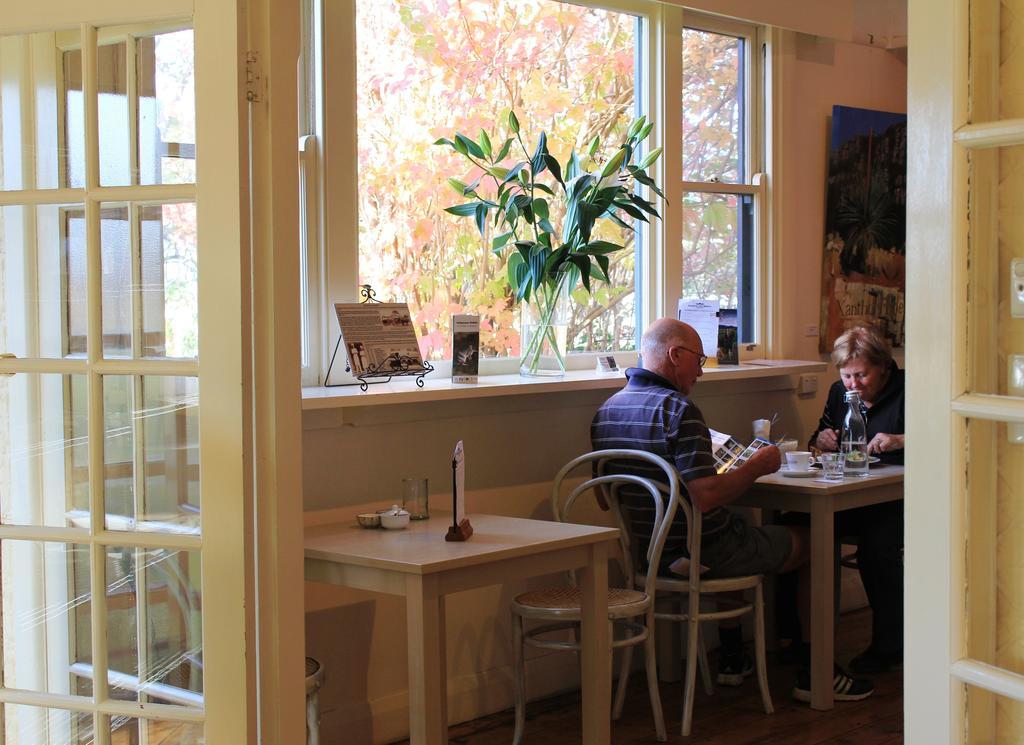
<point>368,520</point>
<point>395,518</point>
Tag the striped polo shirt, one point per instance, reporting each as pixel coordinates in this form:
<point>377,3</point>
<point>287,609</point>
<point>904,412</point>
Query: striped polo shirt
<point>650,414</point>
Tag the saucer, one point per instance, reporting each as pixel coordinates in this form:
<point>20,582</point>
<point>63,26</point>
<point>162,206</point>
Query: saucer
<point>799,474</point>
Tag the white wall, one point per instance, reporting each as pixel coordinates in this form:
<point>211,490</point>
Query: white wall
<point>514,446</point>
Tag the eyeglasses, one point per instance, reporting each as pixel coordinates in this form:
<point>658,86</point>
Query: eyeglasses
<point>701,358</point>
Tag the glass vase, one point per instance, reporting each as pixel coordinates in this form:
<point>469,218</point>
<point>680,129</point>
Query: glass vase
<point>544,326</point>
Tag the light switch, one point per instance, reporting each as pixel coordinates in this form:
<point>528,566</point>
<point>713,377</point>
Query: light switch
<point>1017,289</point>
<point>1015,387</point>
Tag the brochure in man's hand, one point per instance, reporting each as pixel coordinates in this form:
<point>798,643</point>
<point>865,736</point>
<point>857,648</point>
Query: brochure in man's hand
<point>730,453</point>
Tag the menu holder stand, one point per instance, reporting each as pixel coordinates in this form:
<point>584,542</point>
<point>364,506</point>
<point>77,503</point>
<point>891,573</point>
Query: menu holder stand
<point>459,530</point>
<point>394,365</point>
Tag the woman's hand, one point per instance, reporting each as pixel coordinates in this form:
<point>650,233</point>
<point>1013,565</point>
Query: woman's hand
<point>827,440</point>
<point>883,443</point>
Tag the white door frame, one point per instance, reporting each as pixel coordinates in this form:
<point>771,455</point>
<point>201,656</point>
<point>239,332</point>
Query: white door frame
<point>934,558</point>
<point>954,319</point>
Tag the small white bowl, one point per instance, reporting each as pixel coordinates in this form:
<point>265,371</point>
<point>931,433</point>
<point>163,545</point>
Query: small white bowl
<point>369,520</point>
<point>394,519</point>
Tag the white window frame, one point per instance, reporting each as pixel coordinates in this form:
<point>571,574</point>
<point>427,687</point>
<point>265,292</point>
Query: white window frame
<point>754,165</point>
<point>330,237</point>
<point>314,311</point>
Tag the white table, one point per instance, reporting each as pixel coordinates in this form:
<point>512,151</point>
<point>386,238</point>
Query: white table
<point>418,564</point>
<point>822,501</point>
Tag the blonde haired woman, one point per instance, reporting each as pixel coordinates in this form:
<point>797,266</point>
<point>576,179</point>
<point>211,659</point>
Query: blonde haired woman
<point>865,364</point>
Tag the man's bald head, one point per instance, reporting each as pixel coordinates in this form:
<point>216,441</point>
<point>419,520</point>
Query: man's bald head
<point>660,336</point>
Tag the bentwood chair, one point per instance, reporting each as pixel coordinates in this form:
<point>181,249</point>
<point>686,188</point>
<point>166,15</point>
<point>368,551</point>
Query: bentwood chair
<point>691,589</point>
<point>630,611</point>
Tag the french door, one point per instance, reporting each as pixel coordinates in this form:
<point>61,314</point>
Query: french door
<point>965,362</point>
<point>122,427</point>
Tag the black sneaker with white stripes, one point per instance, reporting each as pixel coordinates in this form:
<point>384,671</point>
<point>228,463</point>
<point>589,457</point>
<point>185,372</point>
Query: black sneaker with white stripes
<point>734,668</point>
<point>844,687</point>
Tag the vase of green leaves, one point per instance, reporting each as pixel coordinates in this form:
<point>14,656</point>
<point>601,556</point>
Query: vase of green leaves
<point>515,203</point>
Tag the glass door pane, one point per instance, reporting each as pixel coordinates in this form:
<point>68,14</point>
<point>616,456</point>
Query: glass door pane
<point>34,150</point>
<point>44,449</point>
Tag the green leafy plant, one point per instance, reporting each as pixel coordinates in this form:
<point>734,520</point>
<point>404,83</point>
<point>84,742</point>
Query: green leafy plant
<point>518,200</point>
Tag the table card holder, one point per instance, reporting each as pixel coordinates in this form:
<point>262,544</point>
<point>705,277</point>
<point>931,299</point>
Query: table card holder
<point>702,314</point>
<point>396,365</point>
<point>460,529</point>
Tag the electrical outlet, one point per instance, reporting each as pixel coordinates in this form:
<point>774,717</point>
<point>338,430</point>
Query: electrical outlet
<point>1017,288</point>
<point>1015,386</point>
<point>810,330</point>
<point>808,384</point>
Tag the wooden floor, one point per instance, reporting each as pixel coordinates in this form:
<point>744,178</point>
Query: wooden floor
<point>733,716</point>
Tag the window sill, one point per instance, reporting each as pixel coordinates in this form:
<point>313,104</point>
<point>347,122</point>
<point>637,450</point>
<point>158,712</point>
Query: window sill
<point>402,391</point>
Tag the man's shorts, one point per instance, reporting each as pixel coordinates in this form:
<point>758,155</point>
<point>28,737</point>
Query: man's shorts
<point>739,549</point>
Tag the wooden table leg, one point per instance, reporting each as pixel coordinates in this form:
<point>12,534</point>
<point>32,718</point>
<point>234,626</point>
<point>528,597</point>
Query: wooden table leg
<point>822,609</point>
<point>428,679</point>
<point>596,658</point>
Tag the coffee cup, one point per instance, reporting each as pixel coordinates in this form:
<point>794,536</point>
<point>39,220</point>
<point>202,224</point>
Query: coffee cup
<point>798,460</point>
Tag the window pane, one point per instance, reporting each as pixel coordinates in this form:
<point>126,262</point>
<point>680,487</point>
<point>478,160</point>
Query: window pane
<point>995,570</point>
<point>114,142</point>
<point>166,292</point>
<point>33,725</point>
<point>44,479</point>
<point>995,466</point>
<point>129,731</point>
<point>170,281</point>
<point>46,623</point>
<point>711,239</point>
<point>153,423</point>
<point>567,70</point>
<point>994,259</point>
<point>42,293</point>
<point>713,111</point>
<point>157,591</point>
<point>167,108</point>
<point>31,140</point>
<point>116,242</point>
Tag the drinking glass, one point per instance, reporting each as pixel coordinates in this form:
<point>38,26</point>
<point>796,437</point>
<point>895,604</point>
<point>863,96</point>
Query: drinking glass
<point>832,465</point>
<point>414,498</point>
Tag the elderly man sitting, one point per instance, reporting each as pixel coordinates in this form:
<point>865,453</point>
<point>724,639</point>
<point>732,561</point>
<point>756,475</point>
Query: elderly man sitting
<point>654,413</point>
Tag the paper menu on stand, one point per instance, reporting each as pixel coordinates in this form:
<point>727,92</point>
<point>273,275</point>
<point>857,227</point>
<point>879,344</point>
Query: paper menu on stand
<point>703,316</point>
<point>465,348</point>
<point>459,481</point>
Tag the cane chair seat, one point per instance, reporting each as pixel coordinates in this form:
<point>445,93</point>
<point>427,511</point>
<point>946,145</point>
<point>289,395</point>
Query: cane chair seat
<point>723,584</point>
<point>567,601</point>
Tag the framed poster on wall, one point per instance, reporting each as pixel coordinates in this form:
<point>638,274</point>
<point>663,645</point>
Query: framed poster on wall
<point>863,278</point>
